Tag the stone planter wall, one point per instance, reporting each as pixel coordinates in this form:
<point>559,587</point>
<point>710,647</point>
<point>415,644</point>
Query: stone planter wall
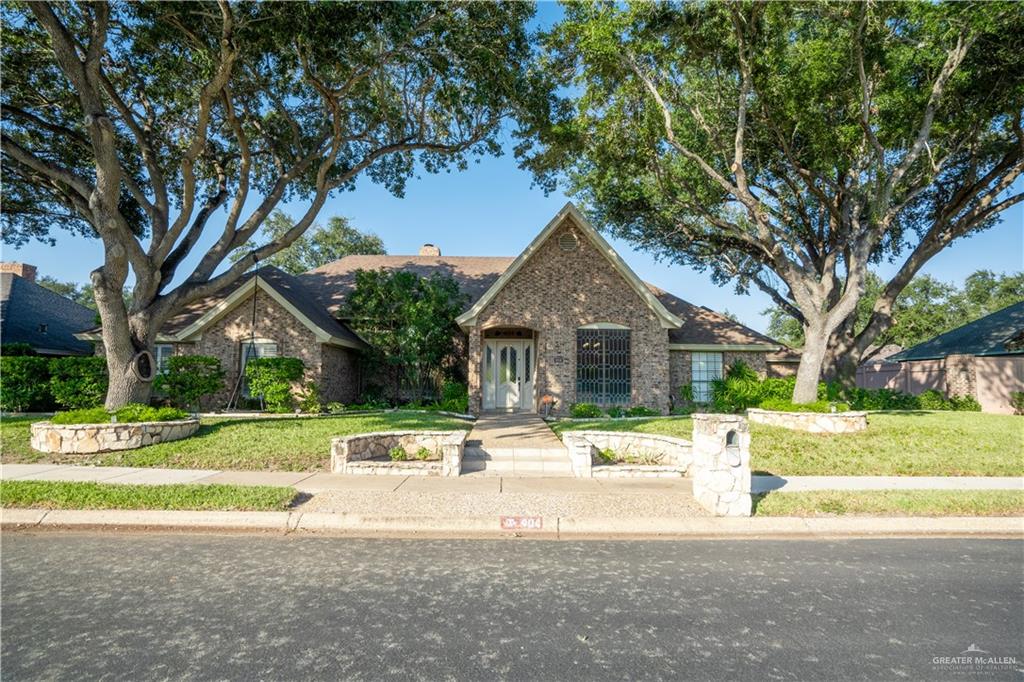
<point>812,422</point>
<point>583,447</point>
<point>83,439</point>
<point>367,453</point>
<point>721,464</point>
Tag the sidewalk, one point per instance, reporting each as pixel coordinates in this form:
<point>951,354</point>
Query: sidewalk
<point>313,482</point>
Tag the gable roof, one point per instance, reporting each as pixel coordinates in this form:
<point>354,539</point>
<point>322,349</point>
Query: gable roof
<point>994,334</point>
<point>704,327</point>
<point>25,305</point>
<point>285,289</point>
<point>569,211</point>
<point>332,283</point>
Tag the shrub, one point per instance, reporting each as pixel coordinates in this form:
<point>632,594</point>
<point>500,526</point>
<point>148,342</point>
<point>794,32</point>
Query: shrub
<point>272,378</point>
<point>686,393</point>
<point>78,381</point>
<point>965,403</point>
<point>781,405</point>
<point>190,377</point>
<point>335,408</point>
<point>454,397</point>
<point>1017,401</point>
<point>881,399</point>
<point>309,399</point>
<point>641,411</point>
<point>17,349</point>
<point>132,412</point>
<point>398,454</point>
<point>24,383</point>
<point>607,456</point>
<point>779,388</point>
<point>615,411</point>
<point>424,454</point>
<point>739,389</point>
<point>585,410</point>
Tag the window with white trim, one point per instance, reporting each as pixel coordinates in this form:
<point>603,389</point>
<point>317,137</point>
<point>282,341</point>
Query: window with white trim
<point>162,353</point>
<point>705,368</point>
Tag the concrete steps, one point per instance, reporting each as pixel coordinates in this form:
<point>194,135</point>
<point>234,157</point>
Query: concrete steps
<point>516,461</point>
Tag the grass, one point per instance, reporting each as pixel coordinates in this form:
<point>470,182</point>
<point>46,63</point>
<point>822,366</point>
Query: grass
<point>894,444</point>
<point>300,444</point>
<point>85,495</point>
<point>892,503</point>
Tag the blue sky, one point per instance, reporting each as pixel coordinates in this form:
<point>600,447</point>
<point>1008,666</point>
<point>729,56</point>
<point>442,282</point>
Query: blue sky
<point>491,209</point>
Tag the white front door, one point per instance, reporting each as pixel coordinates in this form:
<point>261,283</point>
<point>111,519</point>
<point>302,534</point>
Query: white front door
<point>507,369</point>
<point>510,374</point>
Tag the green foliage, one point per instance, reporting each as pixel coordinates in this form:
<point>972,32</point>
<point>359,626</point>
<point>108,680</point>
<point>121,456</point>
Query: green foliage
<point>272,378</point>
<point>1017,401</point>
<point>409,322</point>
<point>641,411</point>
<point>132,412</point>
<point>309,398</point>
<point>318,246</point>
<point>78,382</point>
<point>880,399</point>
<point>739,389</point>
<point>17,349</point>
<point>584,410</point>
<point>398,454</point>
<point>24,383</point>
<point>926,308</point>
<point>615,411</point>
<point>607,456</point>
<point>423,454</point>
<point>190,377</point>
<point>335,407</point>
<point>686,393</point>
<point>964,403</point>
<point>454,398</point>
<point>932,400</point>
<point>783,405</point>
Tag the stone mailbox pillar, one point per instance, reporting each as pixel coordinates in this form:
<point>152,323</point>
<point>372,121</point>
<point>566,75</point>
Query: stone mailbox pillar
<point>721,463</point>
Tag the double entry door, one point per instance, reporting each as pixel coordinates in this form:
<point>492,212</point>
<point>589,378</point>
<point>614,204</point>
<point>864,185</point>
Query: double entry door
<point>508,368</point>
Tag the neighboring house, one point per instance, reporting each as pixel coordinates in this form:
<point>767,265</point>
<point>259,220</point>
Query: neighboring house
<point>567,318</point>
<point>34,315</point>
<point>984,359</point>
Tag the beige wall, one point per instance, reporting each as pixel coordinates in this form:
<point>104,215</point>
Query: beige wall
<point>996,378</point>
<point>554,293</point>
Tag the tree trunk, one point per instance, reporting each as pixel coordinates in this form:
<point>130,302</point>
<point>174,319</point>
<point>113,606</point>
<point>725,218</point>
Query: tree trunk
<point>811,360</point>
<point>121,343</point>
<point>841,356</point>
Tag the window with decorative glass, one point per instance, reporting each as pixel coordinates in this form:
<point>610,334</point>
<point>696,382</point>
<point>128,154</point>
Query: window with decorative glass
<point>603,366</point>
<point>705,368</point>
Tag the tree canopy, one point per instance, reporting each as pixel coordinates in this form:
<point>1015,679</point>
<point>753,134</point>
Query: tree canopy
<point>318,246</point>
<point>925,308</point>
<point>137,123</point>
<point>789,146</point>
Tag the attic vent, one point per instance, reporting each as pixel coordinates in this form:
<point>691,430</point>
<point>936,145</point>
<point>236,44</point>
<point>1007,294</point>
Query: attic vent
<point>568,241</point>
<point>430,250</point>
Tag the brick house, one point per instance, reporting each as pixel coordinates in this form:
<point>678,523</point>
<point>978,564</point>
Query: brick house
<point>567,318</point>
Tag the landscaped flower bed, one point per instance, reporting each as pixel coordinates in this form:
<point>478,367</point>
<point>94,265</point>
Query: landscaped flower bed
<point>616,454</point>
<point>404,453</point>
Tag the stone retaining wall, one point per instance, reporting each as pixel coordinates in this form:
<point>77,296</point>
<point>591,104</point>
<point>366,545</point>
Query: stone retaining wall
<point>812,422</point>
<point>583,447</point>
<point>83,439</point>
<point>362,453</point>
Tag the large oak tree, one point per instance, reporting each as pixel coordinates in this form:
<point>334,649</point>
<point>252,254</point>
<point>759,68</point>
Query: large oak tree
<point>788,146</point>
<point>155,126</point>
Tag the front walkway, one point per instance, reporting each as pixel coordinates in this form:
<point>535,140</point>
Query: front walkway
<point>514,444</point>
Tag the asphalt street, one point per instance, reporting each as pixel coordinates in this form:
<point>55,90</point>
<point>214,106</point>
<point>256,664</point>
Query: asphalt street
<point>142,607</point>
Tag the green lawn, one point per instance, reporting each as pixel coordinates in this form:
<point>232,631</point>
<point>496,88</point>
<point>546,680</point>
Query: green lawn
<point>300,444</point>
<point>894,444</point>
<point>83,495</point>
<point>892,503</point>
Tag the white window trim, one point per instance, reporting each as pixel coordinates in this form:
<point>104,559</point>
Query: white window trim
<point>603,325</point>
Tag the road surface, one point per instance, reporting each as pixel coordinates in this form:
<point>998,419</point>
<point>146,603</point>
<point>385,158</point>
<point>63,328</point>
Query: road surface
<point>140,607</point>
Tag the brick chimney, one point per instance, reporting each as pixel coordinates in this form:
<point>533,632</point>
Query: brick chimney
<point>20,269</point>
<point>430,250</point>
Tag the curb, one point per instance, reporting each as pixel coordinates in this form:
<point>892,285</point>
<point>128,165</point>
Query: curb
<point>315,523</point>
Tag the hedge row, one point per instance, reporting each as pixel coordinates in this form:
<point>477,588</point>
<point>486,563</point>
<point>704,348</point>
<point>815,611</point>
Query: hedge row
<point>35,384</point>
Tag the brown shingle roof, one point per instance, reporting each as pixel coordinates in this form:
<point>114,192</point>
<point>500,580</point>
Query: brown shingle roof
<point>331,283</point>
<point>705,326</point>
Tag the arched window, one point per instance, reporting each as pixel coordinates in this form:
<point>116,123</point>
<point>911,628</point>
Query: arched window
<point>603,363</point>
